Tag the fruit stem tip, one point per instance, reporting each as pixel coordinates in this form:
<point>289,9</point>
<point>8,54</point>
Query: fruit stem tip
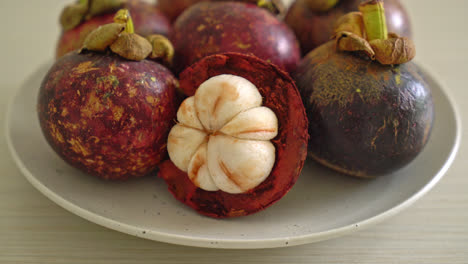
<point>123,16</point>
<point>373,14</point>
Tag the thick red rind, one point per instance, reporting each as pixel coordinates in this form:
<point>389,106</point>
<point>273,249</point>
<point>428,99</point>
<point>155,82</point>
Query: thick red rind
<point>279,94</point>
<point>146,18</point>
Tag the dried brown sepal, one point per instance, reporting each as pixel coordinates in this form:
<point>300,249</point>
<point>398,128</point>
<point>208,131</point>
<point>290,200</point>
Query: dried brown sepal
<point>72,15</point>
<point>97,7</point>
<point>162,48</point>
<point>392,35</point>
<point>351,22</point>
<point>276,7</point>
<point>102,37</point>
<point>321,5</point>
<point>347,41</point>
<point>393,50</point>
<point>131,46</point>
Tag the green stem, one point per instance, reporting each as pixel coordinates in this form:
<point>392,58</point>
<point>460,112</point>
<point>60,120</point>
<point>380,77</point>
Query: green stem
<point>123,16</point>
<point>83,2</point>
<point>373,14</point>
<point>321,5</point>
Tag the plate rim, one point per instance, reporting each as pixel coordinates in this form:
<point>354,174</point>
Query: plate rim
<point>236,243</point>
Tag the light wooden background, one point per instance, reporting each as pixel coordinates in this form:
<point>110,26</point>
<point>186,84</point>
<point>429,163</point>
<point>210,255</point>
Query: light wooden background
<point>35,230</point>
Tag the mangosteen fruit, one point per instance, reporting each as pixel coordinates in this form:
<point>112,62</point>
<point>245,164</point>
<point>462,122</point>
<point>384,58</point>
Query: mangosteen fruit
<point>215,27</point>
<point>370,110</point>
<point>173,8</point>
<point>107,110</point>
<point>241,137</point>
<point>313,20</point>
<point>79,19</point>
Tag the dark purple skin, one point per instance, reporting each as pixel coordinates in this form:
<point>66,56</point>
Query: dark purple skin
<point>108,116</point>
<point>365,119</point>
<point>314,29</point>
<point>212,28</point>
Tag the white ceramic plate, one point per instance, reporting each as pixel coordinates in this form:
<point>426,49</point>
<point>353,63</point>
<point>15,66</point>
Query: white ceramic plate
<point>322,204</point>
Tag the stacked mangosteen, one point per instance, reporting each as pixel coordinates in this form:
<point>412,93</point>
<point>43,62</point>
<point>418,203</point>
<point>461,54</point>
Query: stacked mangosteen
<point>214,106</point>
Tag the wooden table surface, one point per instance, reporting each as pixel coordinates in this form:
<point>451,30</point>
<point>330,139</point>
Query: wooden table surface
<point>33,229</point>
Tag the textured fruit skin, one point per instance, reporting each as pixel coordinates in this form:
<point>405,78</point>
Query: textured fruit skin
<point>280,95</point>
<point>147,20</point>
<point>365,119</point>
<point>173,8</point>
<point>314,29</point>
<point>108,116</point>
<point>211,28</point>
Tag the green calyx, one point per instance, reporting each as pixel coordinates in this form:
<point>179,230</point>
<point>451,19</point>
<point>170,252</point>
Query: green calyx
<point>123,17</point>
<point>120,38</point>
<point>373,14</point>
<point>321,5</point>
<point>74,14</point>
<point>275,7</point>
<point>366,32</point>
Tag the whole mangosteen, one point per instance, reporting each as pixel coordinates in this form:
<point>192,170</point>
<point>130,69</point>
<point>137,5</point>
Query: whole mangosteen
<point>370,111</point>
<point>241,138</point>
<point>79,19</point>
<point>108,110</point>
<point>173,8</point>
<point>215,27</point>
<point>313,20</point>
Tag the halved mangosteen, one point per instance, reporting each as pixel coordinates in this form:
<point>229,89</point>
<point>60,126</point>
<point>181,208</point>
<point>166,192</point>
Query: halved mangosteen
<point>241,138</point>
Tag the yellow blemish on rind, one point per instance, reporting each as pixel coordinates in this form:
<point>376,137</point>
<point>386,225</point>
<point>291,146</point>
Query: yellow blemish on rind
<point>110,80</point>
<point>397,73</point>
<point>70,126</point>
<point>201,27</point>
<point>241,45</point>
<point>396,123</point>
<point>64,112</point>
<point>56,134</point>
<point>93,106</point>
<point>117,112</point>
<point>112,67</point>
<point>331,87</point>
<point>151,100</point>
<point>77,147</point>
<point>132,91</point>
<point>84,67</point>
<point>377,134</point>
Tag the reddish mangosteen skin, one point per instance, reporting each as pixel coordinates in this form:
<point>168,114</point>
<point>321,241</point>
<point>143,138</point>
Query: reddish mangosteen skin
<point>212,28</point>
<point>365,119</point>
<point>173,8</point>
<point>314,29</point>
<point>279,94</point>
<point>147,20</point>
<point>108,116</point>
